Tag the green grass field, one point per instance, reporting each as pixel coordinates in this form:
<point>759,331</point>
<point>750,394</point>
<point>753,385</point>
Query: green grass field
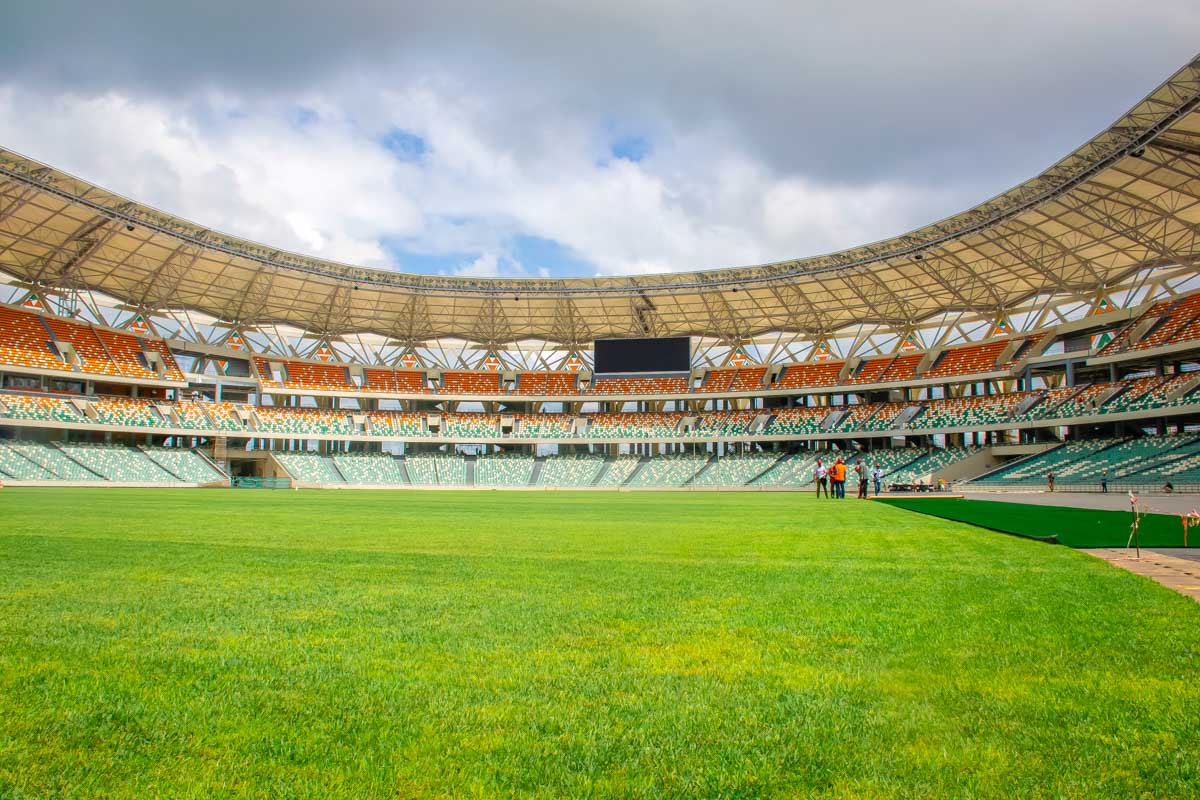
<point>1074,527</point>
<point>484,644</point>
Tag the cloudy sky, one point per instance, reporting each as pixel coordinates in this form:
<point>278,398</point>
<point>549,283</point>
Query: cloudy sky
<point>554,137</point>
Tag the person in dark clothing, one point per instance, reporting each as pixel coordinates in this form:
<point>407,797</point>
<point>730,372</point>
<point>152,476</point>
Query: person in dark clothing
<point>1104,481</point>
<point>860,470</point>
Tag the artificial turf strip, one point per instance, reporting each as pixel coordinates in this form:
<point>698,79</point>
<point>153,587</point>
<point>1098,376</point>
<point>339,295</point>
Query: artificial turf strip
<point>1074,527</point>
<point>189,643</point>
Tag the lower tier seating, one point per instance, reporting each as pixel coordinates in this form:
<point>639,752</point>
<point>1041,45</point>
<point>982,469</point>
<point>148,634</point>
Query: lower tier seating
<point>576,470</point>
<point>306,467</point>
<point>118,463</point>
<point>504,469</point>
<point>186,465</point>
<point>369,469</point>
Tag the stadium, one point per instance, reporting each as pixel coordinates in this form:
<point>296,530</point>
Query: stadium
<point>652,602</point>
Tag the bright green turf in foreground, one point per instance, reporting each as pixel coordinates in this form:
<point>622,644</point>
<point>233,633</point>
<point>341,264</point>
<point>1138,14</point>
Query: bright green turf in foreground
<point>1074,527</point>
<point>373,644</point>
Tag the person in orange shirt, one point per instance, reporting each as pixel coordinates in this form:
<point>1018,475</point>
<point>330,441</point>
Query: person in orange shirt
<point>839,479</point>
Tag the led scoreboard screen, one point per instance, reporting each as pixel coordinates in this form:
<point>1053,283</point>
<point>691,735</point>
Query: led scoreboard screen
<point>673,354</point>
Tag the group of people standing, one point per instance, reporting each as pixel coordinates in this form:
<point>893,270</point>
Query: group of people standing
<point>832,479</point>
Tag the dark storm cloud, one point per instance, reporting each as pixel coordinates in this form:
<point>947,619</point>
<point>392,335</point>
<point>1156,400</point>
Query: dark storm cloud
<point>981,92</point>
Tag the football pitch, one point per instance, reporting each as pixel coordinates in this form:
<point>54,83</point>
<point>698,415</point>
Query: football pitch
<point>559,644</point>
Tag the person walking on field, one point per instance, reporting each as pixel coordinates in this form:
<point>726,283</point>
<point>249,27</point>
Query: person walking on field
<point>877,476</point>
<point>1050,481</point>
<point>860,469</point>
<point>1104,481</point>
<point>821,476</point>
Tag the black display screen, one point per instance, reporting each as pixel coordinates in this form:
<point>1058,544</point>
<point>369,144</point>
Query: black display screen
<point>672,354</point>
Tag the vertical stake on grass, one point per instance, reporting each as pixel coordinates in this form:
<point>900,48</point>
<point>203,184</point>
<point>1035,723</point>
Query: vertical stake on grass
<point>1133,527</point>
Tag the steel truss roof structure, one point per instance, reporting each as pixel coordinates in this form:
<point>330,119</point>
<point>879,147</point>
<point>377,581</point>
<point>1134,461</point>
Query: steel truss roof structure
<point>1112,223</point>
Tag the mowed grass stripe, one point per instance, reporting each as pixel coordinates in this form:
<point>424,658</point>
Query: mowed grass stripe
<point>367,644</point>
<point>1074,527</point>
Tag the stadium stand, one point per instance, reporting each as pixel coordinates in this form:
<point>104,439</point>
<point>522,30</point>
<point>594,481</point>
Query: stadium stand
<point>185,465</point>
<point>25,341</point>
<point>436,469</point>
<point>55,461</point>
<point>632,386</point>
<point>471,426</point>
<point>646,425</point>
<point>673,469</point>
<point>117,463</point>
<point>16,464</point>
<point>310,468</point>
<point>571,471</point>
<point>734,470</point>
<point>966,412</point>
<point>369,469</point>
<point>797,421</point>
<point>473,383</point>
<point>544,426</point>
<point>393,381</point>
<point>38,407</point>
<point>816,375</point>
<point>618,470</point>
<point>976,359</point>
<point>718,380</point>
<point>504,469</point>
<point>548,383</point>
<point>129,413</point>
<point>394,423</point>
<point>303,421</point>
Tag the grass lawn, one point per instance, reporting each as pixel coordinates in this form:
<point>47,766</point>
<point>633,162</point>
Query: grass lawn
<point>488,644</point>
<point>1074,527</point>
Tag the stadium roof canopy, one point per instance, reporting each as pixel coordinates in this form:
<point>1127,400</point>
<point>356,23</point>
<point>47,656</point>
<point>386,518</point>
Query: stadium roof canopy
<point>1124,202</point>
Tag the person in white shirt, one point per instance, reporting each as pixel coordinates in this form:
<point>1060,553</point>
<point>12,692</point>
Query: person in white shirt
<point>821,477</point>
<point>877,476</point>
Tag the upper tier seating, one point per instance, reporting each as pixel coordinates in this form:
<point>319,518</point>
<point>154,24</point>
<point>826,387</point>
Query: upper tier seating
<point>748,379</point>
<point>173,372</point>
<point>225,416</point>
<point>480,426</point>
<point>92,355</point>
<point>1180,325</point>
<point>633,425</point>
<point>718,380</point>
<point>395,423</point>
<point>677,385</point>
<point>393,381</point>
<point>191,416</point>
<point>974,359</point>
<point>965,412</point>
<point>39,407</point>
<point>303,421</point>
<point>554,384</point>
<point>575,470</point>
<point>810,376</point>
<point>129,412</point>
<point>856,419</point>
<point>797,421</point>
<point>126,353</point>
<point>504,469</point>
<point>721,424</point>
<point>470,383</point>
<point>884,417</point>
<point>317,377</point>
<point>871,371</point>
<point>369,469</point>
<point>25,341</point>
<point>904,368</point>
<point>543,426</point>
<point>1082,403</point>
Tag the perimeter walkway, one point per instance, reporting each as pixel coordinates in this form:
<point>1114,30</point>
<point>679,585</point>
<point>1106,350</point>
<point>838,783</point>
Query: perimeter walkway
<point>1174,568</point>
<point>1113,501</point>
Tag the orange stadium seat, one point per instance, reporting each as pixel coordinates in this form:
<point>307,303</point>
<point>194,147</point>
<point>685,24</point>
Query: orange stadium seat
<point>970,360</point>
<point>640,386</point>
<point>25,341</point>
<point>718,380</point>
<point>470,383</point>
<point>813,375</point>
<point>748,379</point>
<point>393,381</point>
<point>92,355</point>
<point>548,383</point>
